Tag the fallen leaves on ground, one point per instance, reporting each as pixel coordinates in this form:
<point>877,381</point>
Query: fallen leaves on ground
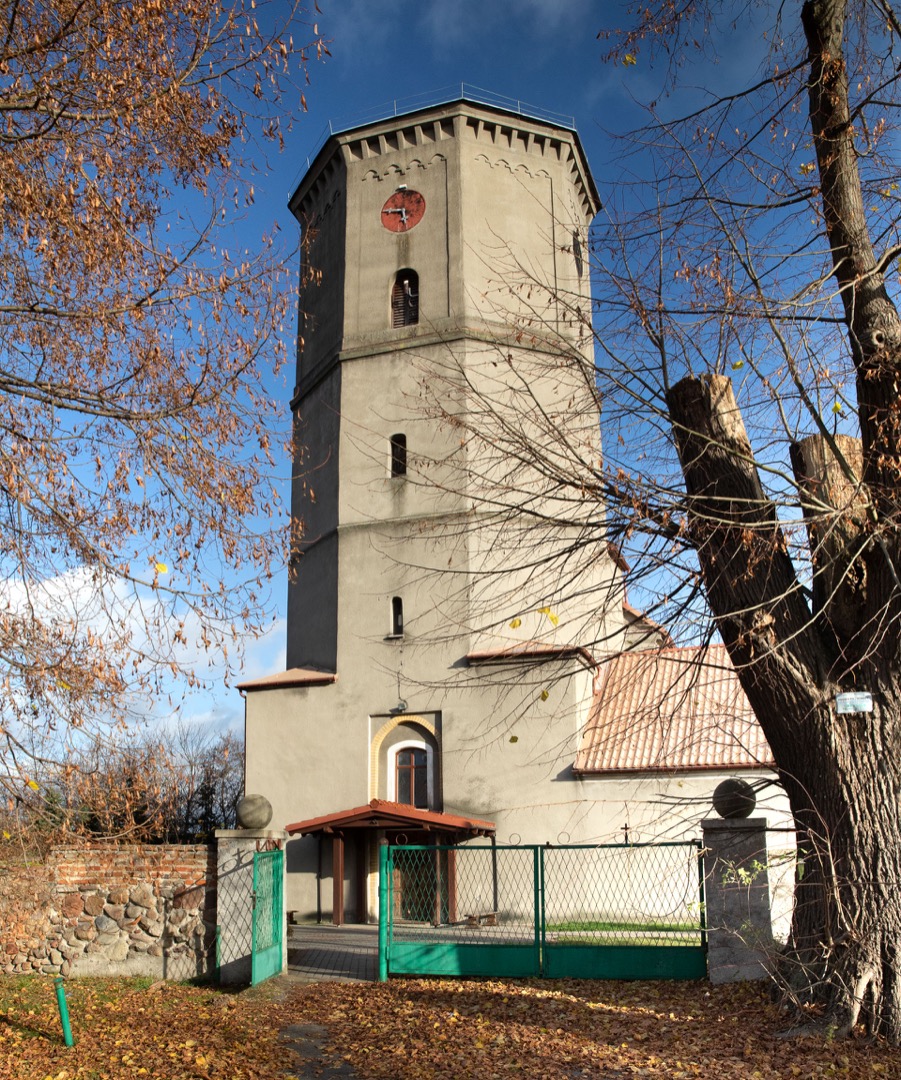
<point>419,1029</point>
<point>123,1028</point>
<point>483,1029</point>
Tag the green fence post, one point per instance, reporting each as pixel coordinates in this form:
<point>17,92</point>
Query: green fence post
<point>539,906</point>
<point>383,911</point>
<point>701,893</point>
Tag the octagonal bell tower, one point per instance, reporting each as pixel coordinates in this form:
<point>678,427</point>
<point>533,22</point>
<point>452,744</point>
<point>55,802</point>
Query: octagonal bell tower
<point>414,231</point>
<point>449,597</point>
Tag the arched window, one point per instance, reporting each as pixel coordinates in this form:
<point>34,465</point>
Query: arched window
<point>411,777</point>
<point>399,455</point>
<point>405,299</point>
<point>397,616</point>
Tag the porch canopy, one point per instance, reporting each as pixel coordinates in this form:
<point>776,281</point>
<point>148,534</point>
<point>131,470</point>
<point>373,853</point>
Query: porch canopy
<point>399,822</point>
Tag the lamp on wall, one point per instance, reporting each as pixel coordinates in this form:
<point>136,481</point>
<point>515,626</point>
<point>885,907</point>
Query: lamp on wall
<point>400,707</point>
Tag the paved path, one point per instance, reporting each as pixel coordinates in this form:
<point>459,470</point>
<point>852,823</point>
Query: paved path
<point>308,1042</point>
<point>326,954</point>
<point>333,953</point>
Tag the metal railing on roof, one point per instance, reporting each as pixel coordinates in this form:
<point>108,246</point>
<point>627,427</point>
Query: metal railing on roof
<point>442,96</point>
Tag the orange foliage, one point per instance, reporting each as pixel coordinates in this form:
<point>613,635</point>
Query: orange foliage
<point>135,422</point>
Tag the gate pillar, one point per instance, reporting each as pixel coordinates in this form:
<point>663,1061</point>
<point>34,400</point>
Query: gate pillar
<point>235,849</point>
<point>736,883</point>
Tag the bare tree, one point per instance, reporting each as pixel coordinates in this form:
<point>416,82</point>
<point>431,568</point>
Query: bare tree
<point>207,783</point>
<point>138,520</point>
<point>747,357</point>
<point>138,789</point>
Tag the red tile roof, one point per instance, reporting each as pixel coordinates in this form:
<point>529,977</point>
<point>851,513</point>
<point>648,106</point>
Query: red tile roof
<point>379,814</point>
<point>671,709</point>
<point>291,677</point>
<point>531,650</point>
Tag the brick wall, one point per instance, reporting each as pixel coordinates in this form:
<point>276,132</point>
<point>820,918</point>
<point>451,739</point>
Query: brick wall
<point>112,909</point>
<point>169,864</point>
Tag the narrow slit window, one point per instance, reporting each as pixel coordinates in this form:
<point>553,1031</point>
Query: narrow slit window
<point>398,455</point>
<point>397,616</point>
<point>405,299</point>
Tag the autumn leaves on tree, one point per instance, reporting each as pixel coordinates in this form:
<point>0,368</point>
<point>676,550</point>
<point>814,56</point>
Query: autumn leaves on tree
<point>137,332</point>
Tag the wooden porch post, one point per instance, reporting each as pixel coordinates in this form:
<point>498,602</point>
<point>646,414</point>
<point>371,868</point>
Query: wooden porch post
<point>362,871</point>
<point>452,886</point>
<point>338,879</point>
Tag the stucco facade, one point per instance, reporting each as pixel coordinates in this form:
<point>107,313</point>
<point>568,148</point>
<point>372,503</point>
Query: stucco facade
<point>414,623</point>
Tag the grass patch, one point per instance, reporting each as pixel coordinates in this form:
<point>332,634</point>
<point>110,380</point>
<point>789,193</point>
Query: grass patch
<point>607,925</point>
<point>23,992</point>
<point>603,940</point>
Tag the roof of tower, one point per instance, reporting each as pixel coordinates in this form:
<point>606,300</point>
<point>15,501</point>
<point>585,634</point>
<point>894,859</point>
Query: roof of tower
<point>403,119</point>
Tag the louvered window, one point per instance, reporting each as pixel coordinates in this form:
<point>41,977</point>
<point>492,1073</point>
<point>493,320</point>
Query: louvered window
<point>405,299</point>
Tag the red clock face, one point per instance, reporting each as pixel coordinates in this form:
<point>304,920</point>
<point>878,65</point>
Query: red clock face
<point>403,210</point>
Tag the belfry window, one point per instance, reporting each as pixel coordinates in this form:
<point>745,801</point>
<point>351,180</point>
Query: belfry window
<point>405,299</point>
<point>399,455</point>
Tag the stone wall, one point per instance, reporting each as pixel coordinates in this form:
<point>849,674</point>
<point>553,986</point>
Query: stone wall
<point>112,910</point>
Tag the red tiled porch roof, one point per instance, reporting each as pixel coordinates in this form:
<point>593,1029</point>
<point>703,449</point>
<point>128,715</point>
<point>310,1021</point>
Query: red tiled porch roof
<point>380,814</point>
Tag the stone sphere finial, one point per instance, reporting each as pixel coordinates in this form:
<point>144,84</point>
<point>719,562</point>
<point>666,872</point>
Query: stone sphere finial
<point>734,799</point>
<point>254,812</point>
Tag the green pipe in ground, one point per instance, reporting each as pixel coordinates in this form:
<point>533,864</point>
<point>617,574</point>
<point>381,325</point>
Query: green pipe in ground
<point>63,1010</point>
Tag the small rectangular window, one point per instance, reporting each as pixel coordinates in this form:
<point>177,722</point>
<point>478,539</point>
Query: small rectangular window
<point>398,455</point>
<point>397,616</point>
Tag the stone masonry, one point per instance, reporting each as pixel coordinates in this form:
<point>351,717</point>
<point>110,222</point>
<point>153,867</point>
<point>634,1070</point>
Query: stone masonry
<point>107,910</point>
<point>740,942</point>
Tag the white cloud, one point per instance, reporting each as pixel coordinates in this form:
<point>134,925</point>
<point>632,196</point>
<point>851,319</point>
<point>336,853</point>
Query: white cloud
<point>116,612</point>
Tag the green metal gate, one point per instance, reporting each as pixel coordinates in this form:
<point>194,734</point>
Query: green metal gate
<point>268,916</point>
<point>609,911</point>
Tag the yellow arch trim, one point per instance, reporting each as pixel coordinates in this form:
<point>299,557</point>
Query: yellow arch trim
<point>382,734</point>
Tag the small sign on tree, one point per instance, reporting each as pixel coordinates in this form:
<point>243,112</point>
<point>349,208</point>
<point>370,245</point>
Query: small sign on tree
<point>856,702</point>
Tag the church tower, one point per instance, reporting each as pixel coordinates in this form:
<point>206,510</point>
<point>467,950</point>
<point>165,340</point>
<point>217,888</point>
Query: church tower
<point>417,233</point>
<point>436,249</point>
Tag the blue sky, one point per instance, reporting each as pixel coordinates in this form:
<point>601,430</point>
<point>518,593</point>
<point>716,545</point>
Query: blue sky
<point>542,52</point>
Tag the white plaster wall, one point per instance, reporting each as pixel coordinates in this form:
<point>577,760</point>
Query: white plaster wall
<point>308,752</point>
<point>504,198</point>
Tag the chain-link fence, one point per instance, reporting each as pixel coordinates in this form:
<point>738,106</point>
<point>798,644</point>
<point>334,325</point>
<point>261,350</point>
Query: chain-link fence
<point>609,911</point>
<point>645,894</point>
<point>268,915</point>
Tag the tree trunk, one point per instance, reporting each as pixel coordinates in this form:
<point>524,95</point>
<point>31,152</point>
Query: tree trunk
<point>874,328</point>
<point>841,773</point>
<point>829,474</point>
